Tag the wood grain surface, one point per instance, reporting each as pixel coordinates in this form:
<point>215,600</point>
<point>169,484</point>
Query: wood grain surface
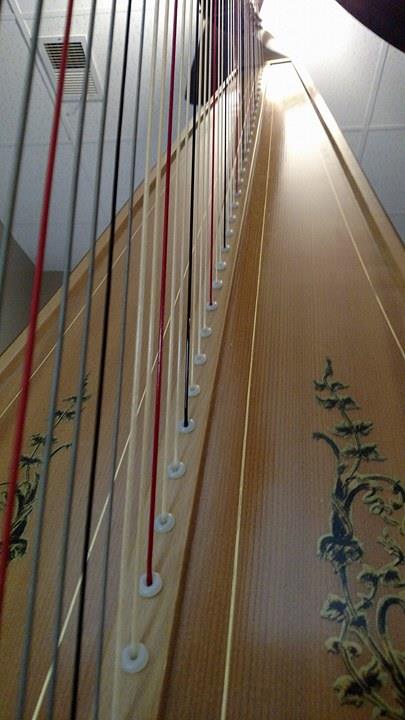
<point>323,288</point>
<point>140,694</point>
<point>318,274</point>
<point>19,572</point>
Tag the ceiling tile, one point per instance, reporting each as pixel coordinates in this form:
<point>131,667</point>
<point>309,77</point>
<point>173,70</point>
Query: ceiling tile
<point>53,26</point>
<point>59,6</point>
<point>29,198</point>
<point>353,137</point>
<point>6,12</point>
<point>384,165</point>
<point>13,60</point>
<point>346,84</point>
<point>399,222</point>
<point>26,231</point>
<point>390,105</point>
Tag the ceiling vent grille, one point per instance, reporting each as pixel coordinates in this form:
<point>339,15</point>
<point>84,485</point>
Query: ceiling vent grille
<point>51,51</point>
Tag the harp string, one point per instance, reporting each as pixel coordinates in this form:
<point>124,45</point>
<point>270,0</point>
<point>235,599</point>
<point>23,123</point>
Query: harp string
<point>186,426</point>
<point>214,72</point>
<point>59,631</point>
<point>200,357</point>
<point>127,569</point>
<point>34,311</point>
<point>187,210</point>
<point>218,147</point>
<point>101,379</point>
<point>120,372</point>
<point>177,271</point>
<point>60,585</point>
<point>19,144</point>
<point>162,306</point>
<point>177,467</point>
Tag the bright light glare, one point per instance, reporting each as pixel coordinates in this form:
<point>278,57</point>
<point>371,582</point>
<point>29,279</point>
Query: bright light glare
<point>301,133</point>
<point>308,30</point>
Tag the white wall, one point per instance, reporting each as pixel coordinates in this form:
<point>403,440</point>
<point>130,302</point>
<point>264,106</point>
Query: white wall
<point>17,293</point>
<point>14,31</point>
<point>362,80</point>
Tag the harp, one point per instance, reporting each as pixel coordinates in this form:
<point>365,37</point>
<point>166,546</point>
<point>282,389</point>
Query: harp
<point>162,494</point>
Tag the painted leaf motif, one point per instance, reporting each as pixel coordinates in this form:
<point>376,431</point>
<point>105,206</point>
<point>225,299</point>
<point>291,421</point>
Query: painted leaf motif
<point>373,676</point>
<point>365,452</point>
<point>340,552</point>
<point>359,621</point>
<point>361,614</point>
<point>37,439</point>
<point>368,575</point>
<point>334,608</point>
<point>18,548</point>
<point>27,460</point>
<point>370,496</point>
<point>19,527</point>
<point>353,648</point>
<point>378,713</point>
<point>328,403</point>
<point>341,526</point>
<point>27,490</point>
<point>391,547</point>
<point>31,467</point>
<point>349,691</point>
<point>3,499</point>
<point>347,403</point>
<point>346,429</point>
<point>328,372</point>
<point>338,386</point>
<point>332,645</point>
<point>391,576</point>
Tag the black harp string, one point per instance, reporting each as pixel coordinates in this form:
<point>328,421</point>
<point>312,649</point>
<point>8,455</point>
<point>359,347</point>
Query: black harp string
<point>42,495</point>
<point>186,417</point>
<point>225,73</point>
<point>242,77</point>
<point>119,384</point>
<point>19,145</point>
<point>101,378</point>
<point>85,336</point>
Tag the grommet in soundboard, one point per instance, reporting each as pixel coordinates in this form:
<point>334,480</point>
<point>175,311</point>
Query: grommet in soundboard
<point>206,332</point>
<point>200,359</point>
<point>164,523</point>
<point>176,470</point>
<point>134,658</point>
<point>149,591</point>
<point>185,429</point>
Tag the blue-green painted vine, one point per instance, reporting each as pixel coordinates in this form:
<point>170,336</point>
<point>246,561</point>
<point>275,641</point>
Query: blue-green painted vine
<point>30,468</point>
<point>374,666</point>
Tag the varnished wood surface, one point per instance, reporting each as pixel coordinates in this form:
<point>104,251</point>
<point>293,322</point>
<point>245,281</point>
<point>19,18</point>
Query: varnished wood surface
<point>323,288</point>
<point>383,232</point>
<point>19,571</point>
<point>140,694</point>
<point>311,280</point>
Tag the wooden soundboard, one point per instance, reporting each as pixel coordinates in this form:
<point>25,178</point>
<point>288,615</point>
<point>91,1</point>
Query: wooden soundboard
<point>237,632</point>
<point>320,274</point>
